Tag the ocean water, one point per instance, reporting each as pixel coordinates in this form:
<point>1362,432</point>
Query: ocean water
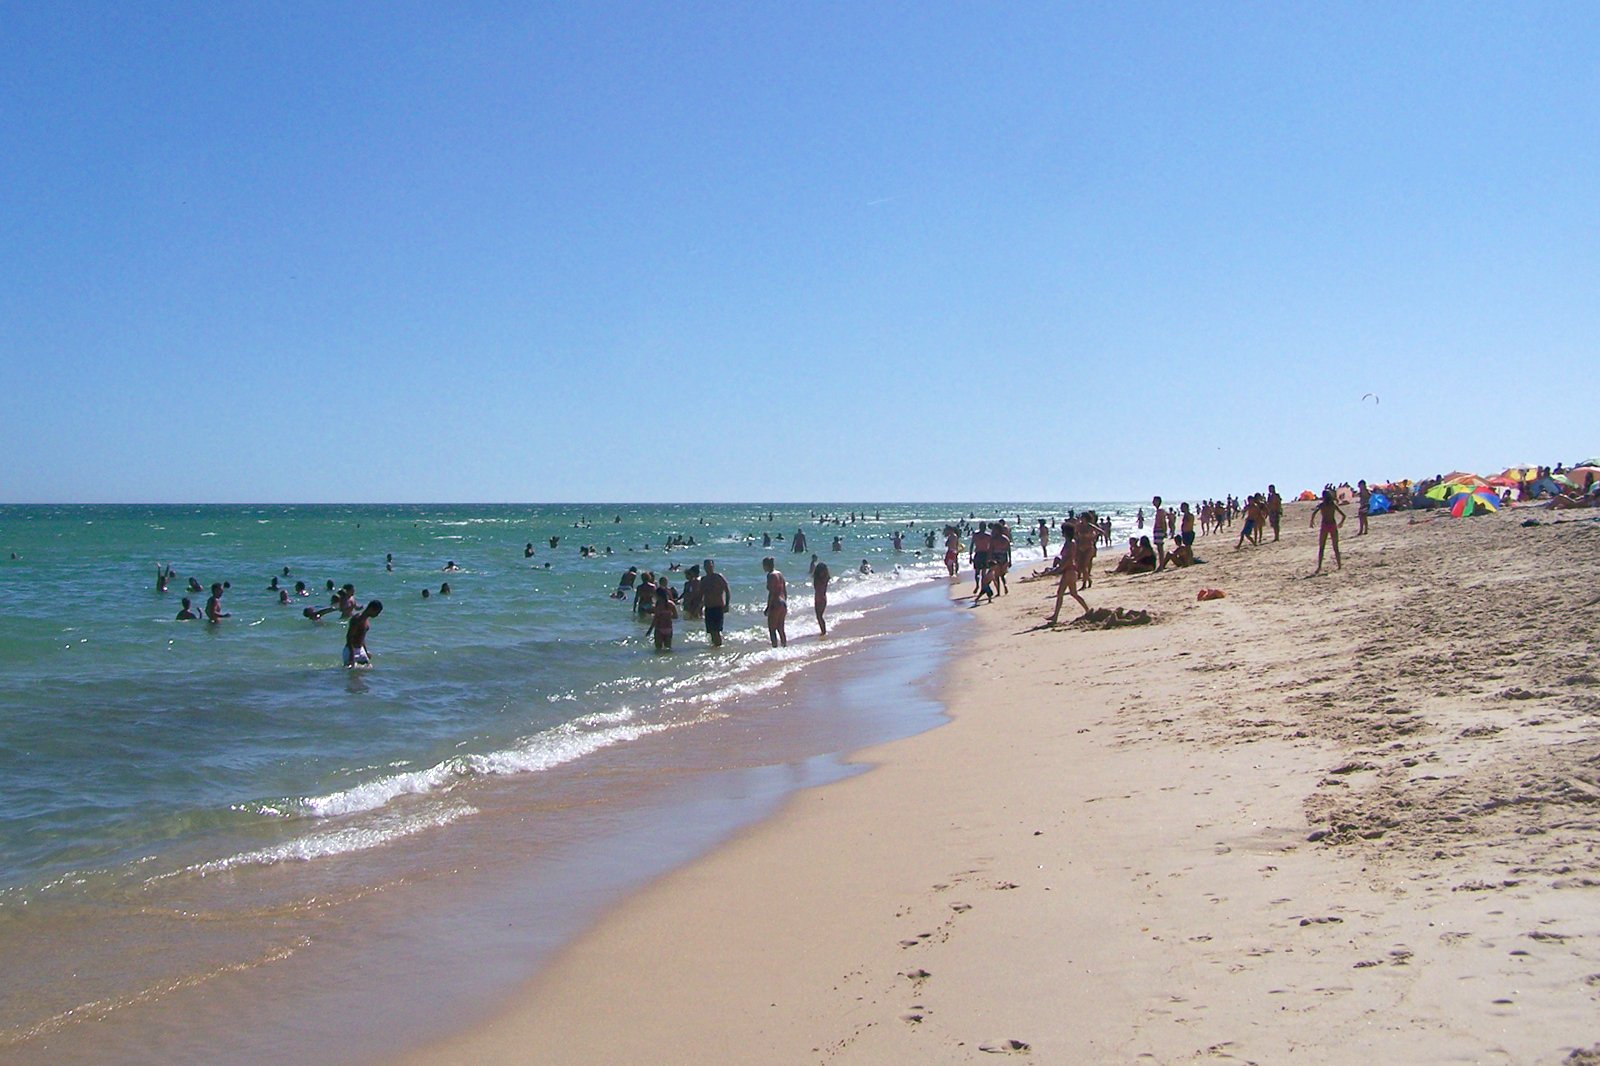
<point>182,802</point>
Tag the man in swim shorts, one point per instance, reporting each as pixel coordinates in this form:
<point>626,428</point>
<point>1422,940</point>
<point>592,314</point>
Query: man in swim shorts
<point>355,636</point>
<point>777,609</point>
<point>715,596</point>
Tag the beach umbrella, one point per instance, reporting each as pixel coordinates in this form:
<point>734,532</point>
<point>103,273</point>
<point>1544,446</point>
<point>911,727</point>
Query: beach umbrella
<point>1519,472</point>
<point>1585,472</point>
<point>1503,482</point>
<point>1438,492</point>
<point>1589,462</point>
<point>1307,495</point>
<point>1471,503</point>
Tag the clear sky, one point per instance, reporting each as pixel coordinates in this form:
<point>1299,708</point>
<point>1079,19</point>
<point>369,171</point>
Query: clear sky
<point>779,251</point>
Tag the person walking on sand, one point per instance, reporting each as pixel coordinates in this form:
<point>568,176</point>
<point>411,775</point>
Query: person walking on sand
<point>777,609</point>
<point>355,636</point>
<point>820,575</point>
<point>1332,516</point>
<point>1158,530</point>
<point>1274,509</point>
<point>1068,584</point>
<point>715,597</point>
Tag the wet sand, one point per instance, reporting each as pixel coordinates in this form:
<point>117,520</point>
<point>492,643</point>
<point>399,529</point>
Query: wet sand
<point>1336,818</point>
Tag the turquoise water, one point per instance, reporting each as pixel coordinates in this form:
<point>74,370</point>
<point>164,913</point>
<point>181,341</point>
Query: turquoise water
<point>152,768</point>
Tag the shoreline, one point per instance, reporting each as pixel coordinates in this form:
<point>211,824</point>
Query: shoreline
<point>471,910</point>
<point>1256,828</point>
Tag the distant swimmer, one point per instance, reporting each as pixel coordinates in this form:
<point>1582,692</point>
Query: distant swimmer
<point>777,609</point>
<point>164,574</point>
<point>716,598</point>
<point>355,636</point>
<point>315,613</point>
<point>195,586</point>
<point>527,550</point>
<point>820,576</point>
<point>838,544</point>
<point>283,597</point>
<point>451,567</point>
<point>388,562</point>
<point>554,541</point>
<point>444,589</point>
<point>865,568</point>
<point>300,589</point>
<point>186,612</point>
<point>214,611</point>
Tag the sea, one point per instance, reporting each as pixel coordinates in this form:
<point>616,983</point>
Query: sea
<point>218,844</point>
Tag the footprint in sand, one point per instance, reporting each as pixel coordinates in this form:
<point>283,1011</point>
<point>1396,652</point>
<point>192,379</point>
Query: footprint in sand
<point>960,908</point>
<point>917,976</point>
<point>1006,1047</point>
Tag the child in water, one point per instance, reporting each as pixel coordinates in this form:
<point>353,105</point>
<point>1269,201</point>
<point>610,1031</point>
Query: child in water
<point>661,619</point>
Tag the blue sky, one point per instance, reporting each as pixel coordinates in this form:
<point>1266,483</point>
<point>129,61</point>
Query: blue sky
<point>790,252</point>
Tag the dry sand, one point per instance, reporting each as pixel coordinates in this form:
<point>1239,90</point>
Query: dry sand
<point>1336,819</point>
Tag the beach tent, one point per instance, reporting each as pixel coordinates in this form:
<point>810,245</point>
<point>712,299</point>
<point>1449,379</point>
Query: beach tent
<point>1378,503</point>
<point>1306,495</point>
<point>1470,503</point>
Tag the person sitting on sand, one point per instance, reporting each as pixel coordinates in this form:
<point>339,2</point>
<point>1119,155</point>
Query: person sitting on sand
<point>1129,561</point>
<point>1332,516</point>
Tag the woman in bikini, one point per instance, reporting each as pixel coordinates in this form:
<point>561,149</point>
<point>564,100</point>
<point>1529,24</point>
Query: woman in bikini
<point>1068,585</point>
<point>1332,516</point>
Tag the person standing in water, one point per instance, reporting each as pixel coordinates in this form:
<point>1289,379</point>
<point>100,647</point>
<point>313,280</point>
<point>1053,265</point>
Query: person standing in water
<point>715,597</point>
<point>777,609</point>
<point>214,611</point>
<point>355,636</point>
<point>820,575</point>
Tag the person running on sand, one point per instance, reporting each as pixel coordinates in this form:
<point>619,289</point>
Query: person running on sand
<point>820,576</point>
<point>355,636</point>
<point>1249,531</point>
<point>777,609</point>
<point>1068,584</point>
<point>661,620</point>
<point>716,596</point>
<point>1332,516</point>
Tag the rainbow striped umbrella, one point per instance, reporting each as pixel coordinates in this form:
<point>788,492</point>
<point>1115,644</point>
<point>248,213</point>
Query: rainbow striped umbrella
<point>1469,503</point>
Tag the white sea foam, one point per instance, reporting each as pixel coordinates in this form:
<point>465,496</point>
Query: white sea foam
<point>543,751</point>
<point>341,841</point>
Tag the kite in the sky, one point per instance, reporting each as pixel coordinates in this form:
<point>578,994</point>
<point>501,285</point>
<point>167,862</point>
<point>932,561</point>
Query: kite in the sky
<point>1373,395</point>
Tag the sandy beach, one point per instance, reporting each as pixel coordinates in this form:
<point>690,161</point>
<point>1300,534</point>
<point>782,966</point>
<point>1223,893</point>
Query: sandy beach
<point>1340,818</point>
